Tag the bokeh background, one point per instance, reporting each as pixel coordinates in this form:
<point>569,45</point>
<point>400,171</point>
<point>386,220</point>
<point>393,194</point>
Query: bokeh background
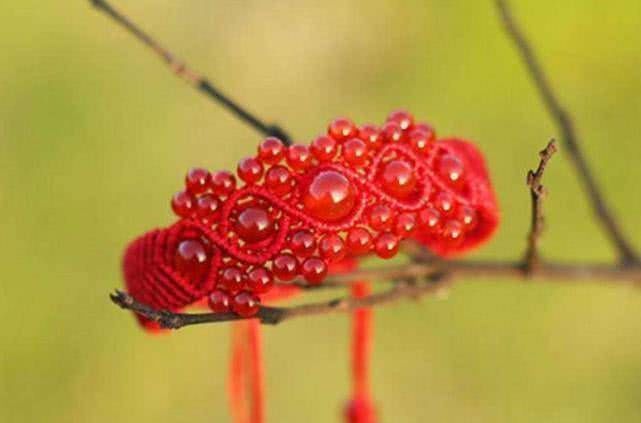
<point>95,136</point>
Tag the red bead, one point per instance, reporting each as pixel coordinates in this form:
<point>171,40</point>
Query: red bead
<point>314,270</point>
<point>468,217</point>
<point>452,230</point>
<point>355,152</point>
<point>191,259</point>
<point>299,157</point>
<point>285,267</point>
<point>197,180</point>
<point>332,247</point>
<point>330,196</point>
<point>450,168</point>
<point>444,202</point>
<point>260,280</point>
<point>245,304</point>
<point>403,118</point>
<point>207,206</point>
<point>250,170</point>
<point>386,245</point>
<point>182,203</point>
<point>421,140</point>
<point>223,183</point>
<point>341,129</point>
<point>231,279</point>
<point>359,241</point>
<point>219,301</point>
<point>429,219</point>
<point>271,150</point>
<point>303,243</point>
<point>371,135</point>
<point>254,224</point>
<point>392,132</point>
<point>380,217</point>
<point>405,225</point>
<point>324,148</point>
<point>279,180</point>
<point>398,178</point>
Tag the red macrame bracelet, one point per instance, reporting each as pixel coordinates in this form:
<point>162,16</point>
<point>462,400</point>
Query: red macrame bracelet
<point>302,208</point>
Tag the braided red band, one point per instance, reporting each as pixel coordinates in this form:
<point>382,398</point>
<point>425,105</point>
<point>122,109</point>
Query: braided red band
<point>302,208</point>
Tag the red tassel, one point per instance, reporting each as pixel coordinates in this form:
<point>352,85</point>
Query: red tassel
<point>360,409</point>
<point>246,386</point>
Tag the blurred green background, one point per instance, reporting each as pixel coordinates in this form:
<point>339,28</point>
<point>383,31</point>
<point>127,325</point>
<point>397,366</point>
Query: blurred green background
<point>95,136</point>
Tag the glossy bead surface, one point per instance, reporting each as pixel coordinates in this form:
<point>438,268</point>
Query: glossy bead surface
<point>314,270</point>
<point>197,180</point>
<point>355,152</point>
<point>392,132</point>
<point>330,196</point>
<point>420,141</point>
<point>279,180</point>
<point>245,304</point>
<point>452,230</point>
<point>223,183</point>
<point>386,245</point>
<point>299,157</point>
<point>468,217</point>
<point>332,247</point>
<point>380,217</point>
<point>219,301</point>
<point>398,179</point>
<point>231,279</point>
<point>444,202</point>
<point>405,225</point>
<point>402,117</point>
<point>254,224</point>
<point>260,280</point>
<point>359,241</point>
<point>371,136</point>
<point>450,168</point>
<point>191,259</point>
<point>182,203</point>
<point>324,148</point>
<point>341,129</point>
<point>285,267</point>
<point>271,150</point>
<point>429,219</point>
<point>303,243</point>
<point>250,170</point>
<point>207,206</point>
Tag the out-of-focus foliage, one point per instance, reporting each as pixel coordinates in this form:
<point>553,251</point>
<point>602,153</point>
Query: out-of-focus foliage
<point>95,136</point>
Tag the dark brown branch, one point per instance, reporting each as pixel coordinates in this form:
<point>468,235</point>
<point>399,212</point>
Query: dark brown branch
<point>194,79</point>
<point>537,194</point>
<point>429,273</point>
<point>566,126</point>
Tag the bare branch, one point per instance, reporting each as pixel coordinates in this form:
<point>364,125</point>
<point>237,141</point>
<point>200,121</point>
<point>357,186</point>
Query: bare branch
<point>434,276</point>
<point>194,79</point>
<point>566,126</point>
<point>537,194</point>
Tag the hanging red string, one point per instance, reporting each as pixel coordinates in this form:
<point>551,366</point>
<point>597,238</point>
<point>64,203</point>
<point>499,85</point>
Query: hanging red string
<point>246,386</point>
<point>360,409</point>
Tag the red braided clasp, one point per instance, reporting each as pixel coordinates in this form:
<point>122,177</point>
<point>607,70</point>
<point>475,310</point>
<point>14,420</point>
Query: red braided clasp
<point>301,208</point>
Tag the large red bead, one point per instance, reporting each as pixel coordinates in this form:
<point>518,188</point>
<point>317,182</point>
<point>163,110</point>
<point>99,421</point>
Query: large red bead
<point>398,178</point>
<point>254,224</point>
<point>330,196</point>
<point>191,258</point>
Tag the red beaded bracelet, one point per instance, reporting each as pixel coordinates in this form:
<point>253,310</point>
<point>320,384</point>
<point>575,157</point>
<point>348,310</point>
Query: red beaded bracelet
<point>302,208</point>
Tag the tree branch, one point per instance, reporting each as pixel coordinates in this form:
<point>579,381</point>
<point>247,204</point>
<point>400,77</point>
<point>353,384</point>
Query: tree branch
<point>537,194</point>
<point>566,126</point>
<point>194,79</point>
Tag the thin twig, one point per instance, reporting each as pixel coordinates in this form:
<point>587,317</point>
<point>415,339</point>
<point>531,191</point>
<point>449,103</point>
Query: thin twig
<point>566,126</point>
<point>469,270</point>
<point>194,79</point>
<point>537,194</point>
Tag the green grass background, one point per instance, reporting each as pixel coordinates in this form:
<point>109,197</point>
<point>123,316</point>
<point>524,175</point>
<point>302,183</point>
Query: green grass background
<point>95,136</point>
